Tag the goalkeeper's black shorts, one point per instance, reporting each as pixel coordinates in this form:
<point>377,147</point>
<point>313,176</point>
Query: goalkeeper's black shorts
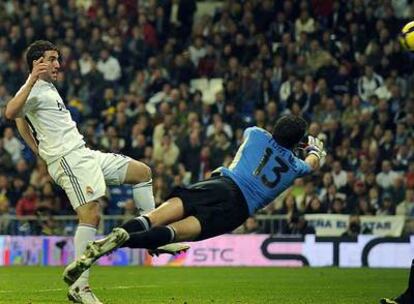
<point>217,203</point>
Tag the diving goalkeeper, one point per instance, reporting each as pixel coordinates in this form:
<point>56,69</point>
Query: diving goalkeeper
<point>264,166</point>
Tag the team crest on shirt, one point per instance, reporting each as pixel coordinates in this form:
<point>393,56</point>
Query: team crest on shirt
<point>89,190</point>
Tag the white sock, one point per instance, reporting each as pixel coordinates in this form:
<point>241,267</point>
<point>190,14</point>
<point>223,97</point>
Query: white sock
<point>143,196</point>
<point>84,233</point>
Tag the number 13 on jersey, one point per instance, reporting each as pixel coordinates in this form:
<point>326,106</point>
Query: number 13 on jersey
<point>277,170</point>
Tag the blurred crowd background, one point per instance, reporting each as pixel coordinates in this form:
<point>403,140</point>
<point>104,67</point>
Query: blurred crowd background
<point>128,69</point>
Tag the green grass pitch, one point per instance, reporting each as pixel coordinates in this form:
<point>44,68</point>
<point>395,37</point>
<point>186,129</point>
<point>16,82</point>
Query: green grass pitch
<point>126,285</point>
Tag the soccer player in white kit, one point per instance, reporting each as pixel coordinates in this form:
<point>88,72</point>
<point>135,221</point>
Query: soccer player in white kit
<point>47,127</point>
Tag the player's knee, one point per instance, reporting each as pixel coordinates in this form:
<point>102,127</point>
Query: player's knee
<point>146,172</point>
<point>138,172</point>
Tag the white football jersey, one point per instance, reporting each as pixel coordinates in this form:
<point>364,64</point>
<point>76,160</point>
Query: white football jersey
<point>51,123</point>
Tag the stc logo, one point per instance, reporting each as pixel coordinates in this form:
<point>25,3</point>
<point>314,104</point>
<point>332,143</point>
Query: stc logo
<point>335,241</point>
<point>213,255</point>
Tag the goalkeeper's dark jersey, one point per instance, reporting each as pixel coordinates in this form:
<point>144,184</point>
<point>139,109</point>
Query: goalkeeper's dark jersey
<point>263,169</point>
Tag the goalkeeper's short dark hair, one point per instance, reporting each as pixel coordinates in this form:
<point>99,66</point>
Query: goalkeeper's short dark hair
<point>37,50</point>
<point>289,130</point>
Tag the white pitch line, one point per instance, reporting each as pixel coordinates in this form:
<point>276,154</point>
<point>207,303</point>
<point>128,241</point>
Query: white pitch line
<point>34,291</point>
<point>130,287</point>
<point>95,288</point>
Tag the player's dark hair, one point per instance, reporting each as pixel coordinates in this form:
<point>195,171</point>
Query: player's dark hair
<point>37,50</point>
<point>289,130</point>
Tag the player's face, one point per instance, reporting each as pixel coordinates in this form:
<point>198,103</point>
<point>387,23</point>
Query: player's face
<point>51,58</point>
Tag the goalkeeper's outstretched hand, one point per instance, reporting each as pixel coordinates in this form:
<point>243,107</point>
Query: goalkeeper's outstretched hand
<point>315,147</point>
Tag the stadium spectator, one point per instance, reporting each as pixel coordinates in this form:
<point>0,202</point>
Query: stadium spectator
<point>166,152</point>
<point>6,163</point>
<point>220,148</point>
<point>5,189</point>
<point>387,207</point>
<point>109,66</point>
<point>402,158</point>
<point>185,16</point>
<point>197,50</point>
<point>23,170</point>
<point>315,206</point>
<point>354,227</point>
<point>409,176</point>
<point>49,203</point>
<point>130,210</point>
<point>318,58</point>
<point>369,83</point>
<point>397,190</point>
<point>406,206</point>
<point>339,176</point>
<point>328,197</point>
<point>304,23</point>
<point>386,178</point>
<point>12,145</point>
<point>190,154</point>
<point>28,204</point>
<point>364,207</point>
<point>218,126</point>
<point>308,195</point>
<point>39,175</point>
<point>297,225</point>
<point>374,197</point>
<point>4,212</point>
<point>284,205</point>
<point>338,206</point>
<point>160,190</point>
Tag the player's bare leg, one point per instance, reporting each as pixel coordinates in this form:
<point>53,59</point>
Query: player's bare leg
<point>169,212</point>
<point>187,229</point>
<point>89,216</point>
<point>139,230</point>
<point>138,174</point>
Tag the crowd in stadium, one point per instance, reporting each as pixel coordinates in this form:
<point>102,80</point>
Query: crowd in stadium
<point>127,72</point>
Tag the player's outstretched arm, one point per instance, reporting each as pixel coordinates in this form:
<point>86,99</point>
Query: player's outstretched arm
<point>16,104</point>
<point>26,134</point>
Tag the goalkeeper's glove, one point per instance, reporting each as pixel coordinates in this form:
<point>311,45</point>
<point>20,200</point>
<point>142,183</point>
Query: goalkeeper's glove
<point>315,147</point>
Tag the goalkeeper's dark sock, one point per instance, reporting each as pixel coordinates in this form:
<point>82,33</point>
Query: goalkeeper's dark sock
<point>151,239</point>
<point>408,296</point>
<point>137,224</point>
<point>403,299</point>
<point>411,279</point>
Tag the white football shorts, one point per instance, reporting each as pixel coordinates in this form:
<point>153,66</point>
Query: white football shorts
<point>84,173</point>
